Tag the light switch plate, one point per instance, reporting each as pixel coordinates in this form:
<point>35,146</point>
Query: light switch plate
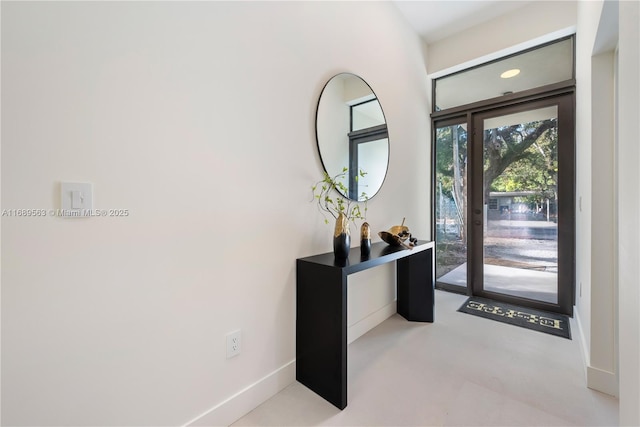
<point>76,199</point>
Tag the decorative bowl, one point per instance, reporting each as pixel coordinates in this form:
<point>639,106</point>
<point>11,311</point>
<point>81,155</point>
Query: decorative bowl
<point>396,235</point>
<point>390,238</point>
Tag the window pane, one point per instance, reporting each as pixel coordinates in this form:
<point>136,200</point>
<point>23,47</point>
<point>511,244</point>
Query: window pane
<point>451,204</point>
<point>521,219</point>
<point>549,64</point>
<point>370,153</point>
<point>366,115</point>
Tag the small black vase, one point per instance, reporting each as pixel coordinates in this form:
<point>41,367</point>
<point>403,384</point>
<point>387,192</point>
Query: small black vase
<point>365,240</point>
<point>365,247</point>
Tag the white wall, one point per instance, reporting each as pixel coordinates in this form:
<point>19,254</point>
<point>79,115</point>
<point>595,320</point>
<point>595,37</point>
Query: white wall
<point>603,255</point>
<point>199,118</point>
<point>595,133</point>
<point>588,19</point>
<point>522,26</point>
<point>588,13</point>
<point>629,206</point>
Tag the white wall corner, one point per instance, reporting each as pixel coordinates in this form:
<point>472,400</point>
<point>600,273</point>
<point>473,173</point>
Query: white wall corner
<point>363,326</point>
<point>584,350</point>
<point>247,399</point>
<point>597,379</point>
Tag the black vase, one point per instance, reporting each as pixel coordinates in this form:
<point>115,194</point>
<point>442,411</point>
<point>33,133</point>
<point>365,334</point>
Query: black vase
<point>342,245</point>
<point>365,240</point>
<point>341,238</point>
<point>365,247</point>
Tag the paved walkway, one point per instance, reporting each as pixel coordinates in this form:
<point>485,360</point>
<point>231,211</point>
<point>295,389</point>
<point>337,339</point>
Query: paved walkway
<point>524,283</point>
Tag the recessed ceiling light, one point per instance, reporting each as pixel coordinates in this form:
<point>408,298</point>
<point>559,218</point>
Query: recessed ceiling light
<point>510,73</point>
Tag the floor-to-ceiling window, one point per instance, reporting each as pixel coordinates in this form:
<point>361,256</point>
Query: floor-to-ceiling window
<point>504,179</point>
<point>451,202</point>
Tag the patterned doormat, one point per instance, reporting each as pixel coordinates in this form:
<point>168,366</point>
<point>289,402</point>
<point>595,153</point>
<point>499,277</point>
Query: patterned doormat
<point>550,323</point>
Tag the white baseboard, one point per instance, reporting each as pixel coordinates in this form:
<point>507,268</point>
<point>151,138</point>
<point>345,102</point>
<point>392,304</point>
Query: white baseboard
<point>597,379</point>
<point>247,399</point>
<point>363,326</point>
<point>602,381</point>
<point>584,351</point>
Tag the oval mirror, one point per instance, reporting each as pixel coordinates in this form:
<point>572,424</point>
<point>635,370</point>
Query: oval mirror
<point>352,135</point>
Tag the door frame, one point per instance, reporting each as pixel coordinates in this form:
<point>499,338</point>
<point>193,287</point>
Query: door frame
<point>563,95</point>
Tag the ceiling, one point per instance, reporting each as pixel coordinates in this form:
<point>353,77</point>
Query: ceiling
<point>438,19</point>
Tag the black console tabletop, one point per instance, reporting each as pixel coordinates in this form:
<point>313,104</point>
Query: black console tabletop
<point>381,253</point>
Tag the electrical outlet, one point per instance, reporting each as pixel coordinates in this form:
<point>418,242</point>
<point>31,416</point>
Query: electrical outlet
<point>234,340</point>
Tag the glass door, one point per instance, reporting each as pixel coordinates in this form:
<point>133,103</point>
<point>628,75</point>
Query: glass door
<point>523,204</point>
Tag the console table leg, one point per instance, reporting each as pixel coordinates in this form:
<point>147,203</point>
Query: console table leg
<point>415,282</point>
<point>321,331</point>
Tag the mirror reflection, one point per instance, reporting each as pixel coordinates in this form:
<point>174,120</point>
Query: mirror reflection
<point>351,132</point>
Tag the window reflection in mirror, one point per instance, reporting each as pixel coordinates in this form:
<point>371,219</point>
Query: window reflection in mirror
<point>352,133</point>
<point>366,114</point>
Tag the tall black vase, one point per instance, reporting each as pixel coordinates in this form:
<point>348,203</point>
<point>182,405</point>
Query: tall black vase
<point>341,238</point>
<point>342,245</point>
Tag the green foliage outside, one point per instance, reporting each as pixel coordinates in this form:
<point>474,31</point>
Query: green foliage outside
<point>536,168</point>
<point>521,157</point>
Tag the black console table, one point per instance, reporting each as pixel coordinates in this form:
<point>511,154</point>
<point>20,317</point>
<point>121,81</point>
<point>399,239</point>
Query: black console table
<point>321,309</point>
